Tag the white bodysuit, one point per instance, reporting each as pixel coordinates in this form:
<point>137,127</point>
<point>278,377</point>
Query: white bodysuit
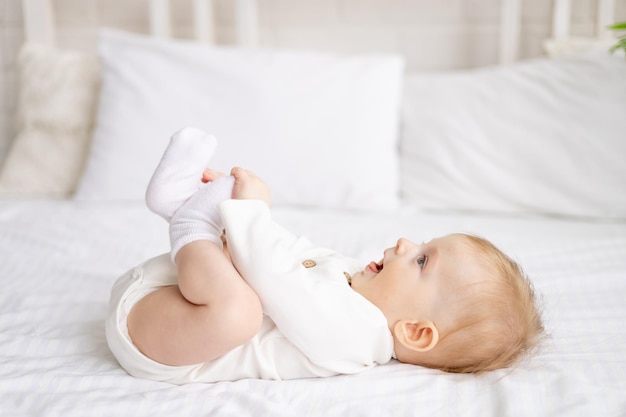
<point>314,325</point>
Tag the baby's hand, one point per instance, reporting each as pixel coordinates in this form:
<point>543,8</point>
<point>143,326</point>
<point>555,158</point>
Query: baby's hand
<point>249,186</point>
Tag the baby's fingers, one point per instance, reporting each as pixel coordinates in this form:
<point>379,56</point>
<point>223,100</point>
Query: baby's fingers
<point>249,186</point>
<point>211,175</point>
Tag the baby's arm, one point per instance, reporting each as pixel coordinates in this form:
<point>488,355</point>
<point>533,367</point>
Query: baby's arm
<point>331,325</point>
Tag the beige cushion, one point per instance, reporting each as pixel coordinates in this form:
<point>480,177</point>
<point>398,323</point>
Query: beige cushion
<point>56,104</point>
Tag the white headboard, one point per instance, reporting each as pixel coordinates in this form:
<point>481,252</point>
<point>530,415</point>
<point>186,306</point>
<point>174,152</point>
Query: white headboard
<point>605,15</point>
<point>562,40</point>
<point>432,35</point>
<point>39,22</point>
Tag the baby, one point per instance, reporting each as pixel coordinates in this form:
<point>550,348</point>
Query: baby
<point>245,298</point>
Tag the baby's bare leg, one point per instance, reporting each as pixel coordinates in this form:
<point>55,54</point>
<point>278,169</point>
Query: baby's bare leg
<point>212,309</point>
<point>210,312</point>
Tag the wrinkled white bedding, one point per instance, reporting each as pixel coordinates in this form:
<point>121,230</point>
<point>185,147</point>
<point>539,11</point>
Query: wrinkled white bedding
<point>58,260</point>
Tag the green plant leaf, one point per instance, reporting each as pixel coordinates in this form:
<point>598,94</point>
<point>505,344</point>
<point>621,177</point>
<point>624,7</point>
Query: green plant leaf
<point>617,26</point>
<point>621,44</point>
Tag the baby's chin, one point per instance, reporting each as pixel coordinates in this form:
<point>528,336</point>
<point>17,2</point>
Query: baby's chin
<point>358,278</point>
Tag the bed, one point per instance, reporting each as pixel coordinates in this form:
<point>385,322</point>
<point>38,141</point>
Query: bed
<point>526,152</point>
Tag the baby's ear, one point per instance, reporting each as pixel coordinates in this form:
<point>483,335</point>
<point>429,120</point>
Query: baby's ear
<point>419,336</point>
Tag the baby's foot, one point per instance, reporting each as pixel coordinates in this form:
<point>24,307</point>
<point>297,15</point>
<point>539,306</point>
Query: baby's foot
<point>179,173</point>
<point>198,218</point>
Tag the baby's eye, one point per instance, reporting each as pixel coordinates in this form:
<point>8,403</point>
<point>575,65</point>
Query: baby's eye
<point>421,261</point>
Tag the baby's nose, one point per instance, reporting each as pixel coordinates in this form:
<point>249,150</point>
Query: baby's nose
<point>402,245</point>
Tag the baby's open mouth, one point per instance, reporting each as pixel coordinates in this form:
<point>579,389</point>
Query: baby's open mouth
<point>375,266</point>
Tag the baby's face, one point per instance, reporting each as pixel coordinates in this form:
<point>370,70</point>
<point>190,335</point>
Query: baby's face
<point>411,280</point>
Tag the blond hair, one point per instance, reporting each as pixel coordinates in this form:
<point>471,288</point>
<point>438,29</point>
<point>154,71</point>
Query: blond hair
<point>498,319</point>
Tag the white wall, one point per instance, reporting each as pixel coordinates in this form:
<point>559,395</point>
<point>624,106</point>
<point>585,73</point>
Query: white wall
<point>432,34</point>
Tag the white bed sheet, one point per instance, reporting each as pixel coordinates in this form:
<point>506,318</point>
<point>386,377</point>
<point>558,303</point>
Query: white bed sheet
<point>58,260</point>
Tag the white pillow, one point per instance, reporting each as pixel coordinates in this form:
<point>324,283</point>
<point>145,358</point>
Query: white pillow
<point>543,136</point>
<point>57,97</point>
<point>320,129</point>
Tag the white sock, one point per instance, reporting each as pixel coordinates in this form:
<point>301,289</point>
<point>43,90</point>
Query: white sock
<point>179,173</point>
<point>199,218</point>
